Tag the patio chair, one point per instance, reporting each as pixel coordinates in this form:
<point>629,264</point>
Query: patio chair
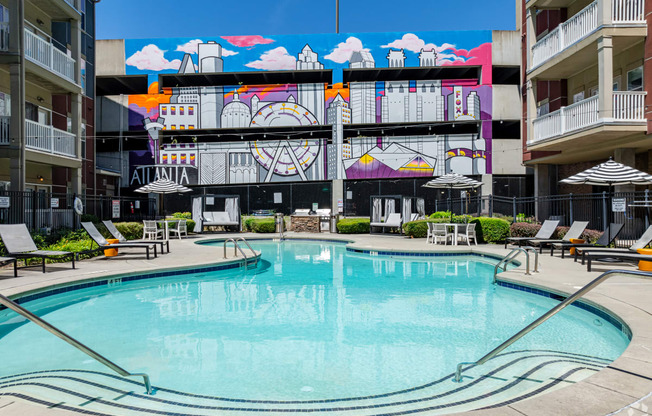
<point>118,235</point>
<point>604,241</point>
<point>469,234</point>
<point>609,256</point>
<point>392,221</point>
<point>6,260</point>
<point>575,231</point>
<point>97,237</point>
<point>605,252</point>
<point>19,244</point>
<point>429,234</point>
<point>547,228</point>
<point>440,232</point>
<point>151,230</point>
<point>181,227</point>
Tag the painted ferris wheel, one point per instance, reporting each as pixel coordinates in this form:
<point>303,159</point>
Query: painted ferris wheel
<point>285,157</point>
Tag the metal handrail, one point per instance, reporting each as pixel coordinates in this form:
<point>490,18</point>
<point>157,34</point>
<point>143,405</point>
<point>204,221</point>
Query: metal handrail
<point>512,255</point>
<point>536,258</point>
<point>72,341</point>
<point>249,246</point>
<point>572,298</point>
<point>236,247</point>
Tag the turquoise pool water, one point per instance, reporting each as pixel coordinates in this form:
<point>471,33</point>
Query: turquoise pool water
<point>313,321</point>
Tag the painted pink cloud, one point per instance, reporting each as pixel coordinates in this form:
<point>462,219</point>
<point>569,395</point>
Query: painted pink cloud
<point>274,59</point>
<point>151,57</point>
<point>343,51</point>
<point>476,56</point>
<point>247,41</point>
<point>413,43</point>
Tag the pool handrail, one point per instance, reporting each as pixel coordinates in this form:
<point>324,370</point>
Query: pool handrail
<point>72,341</point>
<point>237,247</point>
<point>572,298</point>
<point>512,255</point>
<point>244,240</point>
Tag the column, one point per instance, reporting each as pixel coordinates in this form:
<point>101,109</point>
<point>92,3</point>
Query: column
<point>76,105</point>
<point>604,12</point>
<point>605,77</point>
<point>531,100</point>
<point>541,189</point>
<point>530,34</point>
<point>17,91</point>
<point>337,194</point>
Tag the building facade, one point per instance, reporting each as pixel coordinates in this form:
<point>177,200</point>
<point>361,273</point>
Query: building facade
<point>586,73</point>
<point>47,67</point>
<point>240,110</point>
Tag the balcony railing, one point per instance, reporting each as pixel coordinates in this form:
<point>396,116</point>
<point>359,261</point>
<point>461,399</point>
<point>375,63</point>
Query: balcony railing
<point>42,52</point>
<point>42,138</point>
<point>4,36</point>
<point>583,24</point>
<point>628,106</point>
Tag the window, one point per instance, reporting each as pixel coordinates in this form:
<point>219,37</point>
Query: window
<point>635,79</point>
<point>191,126</point>
<point>83,74</point>
<point>593,91</point>
<point>578,97</point>
<point>191,110</point>
<point>173,127</point>
<point>181,108</point>
<point>164,110</point>
<point>173,110</point>
<point>83,141</point>
<point>5,104</point>
<point>31,111</point>
<point>543,108</point>
<point>616,85</point>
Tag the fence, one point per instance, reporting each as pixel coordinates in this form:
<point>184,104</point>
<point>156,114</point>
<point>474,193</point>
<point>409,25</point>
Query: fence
<point>595,208</point>
<point>47,211</point>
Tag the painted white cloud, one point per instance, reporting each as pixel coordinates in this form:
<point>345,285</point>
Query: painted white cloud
<point>413,43</point>
<point>151,57</point>
<point>227,52</point>
<point>190,46</point>
<point>274,59</point>
<point>343,51</point>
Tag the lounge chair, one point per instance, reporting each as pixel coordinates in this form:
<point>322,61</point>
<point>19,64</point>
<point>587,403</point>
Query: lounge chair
<point>5,260</point>
<point>393,221</point>
<point>575,231</point>
<point>547,229</point>
<point>19,244</point>
<point>95,235</point>
<point>604,241</point>
<point>218,218</point>
<point>604,252</point>
<point>116,234</point>
<point>610,256</point>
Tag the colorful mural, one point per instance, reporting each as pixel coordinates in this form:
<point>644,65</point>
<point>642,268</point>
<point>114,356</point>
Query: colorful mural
<point>299,157</point>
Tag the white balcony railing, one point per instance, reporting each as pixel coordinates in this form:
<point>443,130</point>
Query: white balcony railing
<point>4,130</point>
<point>49,139</point>
<point>583,24</point>
<point>628,106</point>
<point>42,52</point>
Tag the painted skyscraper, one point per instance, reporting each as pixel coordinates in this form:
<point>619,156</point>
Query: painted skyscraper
<point>311,96</point>
<point>362,94</point>
<point>338,114</point>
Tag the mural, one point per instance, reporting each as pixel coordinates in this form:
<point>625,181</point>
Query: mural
<point>298,157</point>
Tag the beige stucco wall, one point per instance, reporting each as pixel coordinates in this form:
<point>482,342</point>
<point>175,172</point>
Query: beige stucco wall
<point>506,102</point>
<point>110,57</point>
<point>506,157</point>
<point>506,48</point>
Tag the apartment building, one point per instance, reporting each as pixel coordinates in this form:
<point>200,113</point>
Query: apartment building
<point>585,73</point>
<point>46,95</point>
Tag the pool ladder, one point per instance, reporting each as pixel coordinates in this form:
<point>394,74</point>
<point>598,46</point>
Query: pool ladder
<point>236,248</point>
<point>572,298</point>
<point>512,255</point>
<point>72,341</point>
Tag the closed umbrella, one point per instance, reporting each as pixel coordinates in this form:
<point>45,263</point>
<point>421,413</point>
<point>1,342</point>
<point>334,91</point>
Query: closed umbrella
<point>452,181</point>
<point>610,174</point>
<point>162,186</point>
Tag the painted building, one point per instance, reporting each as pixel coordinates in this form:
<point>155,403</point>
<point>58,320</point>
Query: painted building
<point>324,119</point>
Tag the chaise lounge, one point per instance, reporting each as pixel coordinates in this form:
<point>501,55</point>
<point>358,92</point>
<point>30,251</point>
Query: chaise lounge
<point>19,244</point>
<point>97,237</point>
<point>110,226</point>
<point>575,231</point>
<point>604,241</point>
<point>545,232</point>
<point>217,218</point>
<point>393,221</point>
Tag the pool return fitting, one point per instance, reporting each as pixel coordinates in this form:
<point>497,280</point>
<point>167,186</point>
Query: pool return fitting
<point>72,341</point>
<point>569,300</point>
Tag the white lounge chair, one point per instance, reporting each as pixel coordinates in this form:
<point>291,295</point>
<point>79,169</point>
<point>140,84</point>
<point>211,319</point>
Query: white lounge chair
<point>393,221</point>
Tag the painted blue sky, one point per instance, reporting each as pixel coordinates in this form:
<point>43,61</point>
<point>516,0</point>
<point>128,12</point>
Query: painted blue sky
<point>123,19</point>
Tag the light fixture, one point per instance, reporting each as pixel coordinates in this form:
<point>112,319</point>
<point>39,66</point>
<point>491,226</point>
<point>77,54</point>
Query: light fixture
<point>40,22</point>
<point>40,99</point>
<point>40,178</point>
<point>453,125</point>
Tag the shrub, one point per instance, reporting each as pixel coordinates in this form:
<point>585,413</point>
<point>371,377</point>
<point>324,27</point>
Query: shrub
<point>591,236</point>
<point>248,224</point>
<point>130,230</point>
<point>89,218</point>
<point>440,214</point>
<point>184,215</point>
<point>523,229</point>
<point>491,230</point>
<point>263,225</point>
<point>353,226</point>
<point>416,229</point>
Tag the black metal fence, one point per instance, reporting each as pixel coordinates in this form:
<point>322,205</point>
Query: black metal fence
<point>54,211</point>
<point>632,210</point>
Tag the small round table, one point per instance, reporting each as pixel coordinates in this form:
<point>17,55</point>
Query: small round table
<point>645,265</point>
<point>575,241</point>
<point>111,252</point>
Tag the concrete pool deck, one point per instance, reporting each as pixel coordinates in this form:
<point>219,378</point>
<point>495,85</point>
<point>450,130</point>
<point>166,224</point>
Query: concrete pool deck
<point>622,388</point>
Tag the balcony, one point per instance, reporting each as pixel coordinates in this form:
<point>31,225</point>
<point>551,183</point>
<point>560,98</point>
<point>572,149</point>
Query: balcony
<point>43,53</point>
<point>42,138</point>
<point>628,109</point>
<point>624,13</point>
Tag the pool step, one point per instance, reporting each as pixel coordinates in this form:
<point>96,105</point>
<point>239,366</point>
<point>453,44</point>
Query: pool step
<point>513,375</point>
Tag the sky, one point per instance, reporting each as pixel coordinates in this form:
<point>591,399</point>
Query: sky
<point>128,19</point>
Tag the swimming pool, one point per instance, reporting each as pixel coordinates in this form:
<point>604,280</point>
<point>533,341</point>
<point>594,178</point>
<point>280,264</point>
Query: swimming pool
<point>315,326</point>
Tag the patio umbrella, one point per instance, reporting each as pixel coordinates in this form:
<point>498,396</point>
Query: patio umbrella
<point>452,181</point>
<point>610,174</point>
<point>162,186</point>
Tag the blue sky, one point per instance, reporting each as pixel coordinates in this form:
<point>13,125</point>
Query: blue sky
<point>117,19</point>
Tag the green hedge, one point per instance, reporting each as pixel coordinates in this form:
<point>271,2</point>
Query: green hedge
<point>130,230</point>
<point>260,225</point>
<point>353,226</point>
<point>491,230</point>
<point>416,229</point>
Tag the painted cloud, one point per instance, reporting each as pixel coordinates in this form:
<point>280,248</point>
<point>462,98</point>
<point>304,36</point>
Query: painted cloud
<point>413,43</point>
<point>191,47</point>
<point>274,59</point>
<point>247,41</point>
<point>152,58</point>
<point>343,51</point>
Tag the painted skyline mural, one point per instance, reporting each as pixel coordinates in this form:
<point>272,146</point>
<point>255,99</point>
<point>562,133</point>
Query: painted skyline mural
<point>299,157</point>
